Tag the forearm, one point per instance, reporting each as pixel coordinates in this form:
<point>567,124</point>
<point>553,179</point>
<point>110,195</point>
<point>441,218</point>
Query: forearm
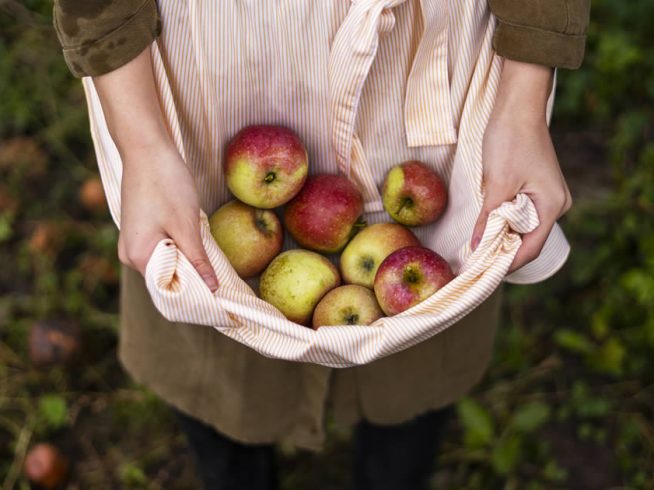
<point>523,92</point>
<point>131,107</point>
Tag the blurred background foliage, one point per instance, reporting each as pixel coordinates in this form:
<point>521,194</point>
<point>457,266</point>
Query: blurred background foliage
<point>567,403</point>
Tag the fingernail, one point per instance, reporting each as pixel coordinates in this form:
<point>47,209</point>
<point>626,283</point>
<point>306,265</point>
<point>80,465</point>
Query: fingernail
<point>475,242</point>
<point>211,283</point>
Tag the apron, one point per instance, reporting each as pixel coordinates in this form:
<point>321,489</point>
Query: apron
<point>366,84</point>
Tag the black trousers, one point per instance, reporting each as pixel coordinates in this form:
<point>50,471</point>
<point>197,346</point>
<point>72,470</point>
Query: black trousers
<point>397,457</point>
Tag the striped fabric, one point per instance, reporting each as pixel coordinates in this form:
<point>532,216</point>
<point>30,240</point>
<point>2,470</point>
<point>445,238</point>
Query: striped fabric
<point>367,84</point>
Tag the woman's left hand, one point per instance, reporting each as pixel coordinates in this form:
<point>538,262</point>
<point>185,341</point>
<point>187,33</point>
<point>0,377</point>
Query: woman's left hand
<point>519,157</point>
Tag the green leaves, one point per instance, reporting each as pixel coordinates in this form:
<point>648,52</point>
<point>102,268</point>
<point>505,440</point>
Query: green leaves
<point>530,417</point>
<point>52,412</point>
<point>477,423</point>
<point>506,453</point>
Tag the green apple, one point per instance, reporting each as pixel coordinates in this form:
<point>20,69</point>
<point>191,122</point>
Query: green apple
<point>347,305</point>
<point>295,281</point>
<point>368,249</point>
<point>249,237</point>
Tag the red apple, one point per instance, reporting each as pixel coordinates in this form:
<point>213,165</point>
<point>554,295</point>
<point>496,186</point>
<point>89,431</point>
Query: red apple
<point>91,195</point>
<point>323,216</point>
<point>249,237</point>
<point>368,249</point>
<point>265,166</point>
<point>46,467</point>
<point>347,305</point>
<point>409,276</point>
<point>54,342</point>
<point>414,194</point>
<point>295,281</point>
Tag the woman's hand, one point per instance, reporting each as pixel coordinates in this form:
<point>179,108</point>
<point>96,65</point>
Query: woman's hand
<point>158,195</point>
<point>159,200</point>
<point>519,157</point>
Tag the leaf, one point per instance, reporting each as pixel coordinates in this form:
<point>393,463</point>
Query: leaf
<point>530,417</point>
<point>53,411</point>
<point>477,423</point>
<point>573,341</point>
<point>132,476</point>
<point>505,454</point>
<point>610,358</point>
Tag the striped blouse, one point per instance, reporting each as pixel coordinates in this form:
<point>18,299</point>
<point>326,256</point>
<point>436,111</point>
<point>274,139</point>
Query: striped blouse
<point>366,84</point>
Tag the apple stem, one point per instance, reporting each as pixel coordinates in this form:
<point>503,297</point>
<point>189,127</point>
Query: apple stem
<point>270,176</point>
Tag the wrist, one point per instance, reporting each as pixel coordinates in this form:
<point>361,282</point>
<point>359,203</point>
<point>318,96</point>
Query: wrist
<point>523,92</point>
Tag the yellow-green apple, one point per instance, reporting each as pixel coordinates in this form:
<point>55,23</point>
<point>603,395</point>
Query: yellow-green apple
<point>414,194</point>
<point>368,249</point>
<point>295,281</point>
<point>265,166</point>
<point>347,305</point>
<point>409,276</point>
<point>324,215</point>
<point>249,237</point>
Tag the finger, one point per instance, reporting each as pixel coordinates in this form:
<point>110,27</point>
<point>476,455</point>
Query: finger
<point>491,202</point>
<point>191,246</point>
<point>532,245</point>
<point>137,252</point>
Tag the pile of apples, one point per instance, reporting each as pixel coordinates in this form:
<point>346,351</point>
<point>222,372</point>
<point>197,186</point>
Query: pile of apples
<point>385,268</point>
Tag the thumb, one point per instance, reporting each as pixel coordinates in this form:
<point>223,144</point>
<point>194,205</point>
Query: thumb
<point>491,202</point>
<point>191,246</point>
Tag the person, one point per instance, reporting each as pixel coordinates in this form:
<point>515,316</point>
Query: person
<point>234,404</point>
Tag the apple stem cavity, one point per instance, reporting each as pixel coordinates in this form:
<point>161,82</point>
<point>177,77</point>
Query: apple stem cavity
<point>406,203</point>
<point>270,177</point>
<point>368,263</point>
<point>352,319</point>
<point>411,275</point>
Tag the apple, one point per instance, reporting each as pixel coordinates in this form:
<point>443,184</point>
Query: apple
<point>413,194</point>
<point>265,166</point>
<point>409,276</point>
<point>295,281</point>
<point>324,215</point>
<point>53,342</point>
<point>249,237</point>
<point>368,249</point>
<point>45,466</point>
<point>347,305</point>
<point>91,195</point>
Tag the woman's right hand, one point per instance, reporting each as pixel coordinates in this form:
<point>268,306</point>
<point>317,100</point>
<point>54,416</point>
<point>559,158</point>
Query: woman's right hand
<point>158,194</point>
<point>159,200</point>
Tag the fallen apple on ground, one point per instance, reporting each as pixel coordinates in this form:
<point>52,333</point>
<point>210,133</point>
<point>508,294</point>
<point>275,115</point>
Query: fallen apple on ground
<point>347,305</point>
<point>295,281</point>
<point>368,249</point>
<point>413,194</point>
<point>323,216</point>
<point>53,342</point>
<point>265,166</point>
<point>91,195</point>
<point>249,237</point>
<point>408,277</point>
<point>45,466</point>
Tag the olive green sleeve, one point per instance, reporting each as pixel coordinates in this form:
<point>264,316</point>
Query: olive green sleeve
<point>98,36</point>
<point>545,32</point>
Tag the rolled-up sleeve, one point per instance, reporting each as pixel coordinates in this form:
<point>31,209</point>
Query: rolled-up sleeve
<point>545,32</point>
<point>98,36</point>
